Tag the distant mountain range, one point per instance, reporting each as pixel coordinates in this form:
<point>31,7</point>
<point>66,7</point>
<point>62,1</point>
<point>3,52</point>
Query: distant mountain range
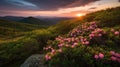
<point>12,18</point>
<point>36,20</point>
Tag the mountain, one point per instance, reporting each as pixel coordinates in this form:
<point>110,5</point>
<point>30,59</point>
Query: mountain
<point>32,20</point>
<point>39,20</point>
<point>44,20</point>
<point>12,18</point>
<point>54,20</point>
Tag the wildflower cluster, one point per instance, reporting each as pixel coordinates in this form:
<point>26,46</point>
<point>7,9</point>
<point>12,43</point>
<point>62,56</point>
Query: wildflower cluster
<point>87,34</point>
<point>115,56</point>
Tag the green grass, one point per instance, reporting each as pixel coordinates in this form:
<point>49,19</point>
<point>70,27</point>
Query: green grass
<point>20,48</point>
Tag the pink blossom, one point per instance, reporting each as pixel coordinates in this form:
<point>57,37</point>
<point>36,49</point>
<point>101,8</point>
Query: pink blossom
<point>118,59</point>
<point>113,58</point>
<point>67,45</point>
<point>72,46</point>
<point>60,45</point>
<point>96,56</point>
<point>90,27</point>
<point>101,55</point>
<point>117,54</point>
<point>112,52</point>
<point>46,48</point>
<point>91,35</point>
<point>59,50</point>
<point>49,47</point>
<point>85,39</point>
<point>99,30</point>
<point>75,44</point>
<point>83,42</point>
<point>116,32</point>
<point>72,39</point>
<point>99,35</point>
<point>53,50</point>
<point>87,42</point>
<point>47,57</point>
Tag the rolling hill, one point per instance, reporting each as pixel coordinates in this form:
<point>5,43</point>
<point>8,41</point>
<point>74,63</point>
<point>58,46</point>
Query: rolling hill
<point>35,21</point>
<point>12,29</point>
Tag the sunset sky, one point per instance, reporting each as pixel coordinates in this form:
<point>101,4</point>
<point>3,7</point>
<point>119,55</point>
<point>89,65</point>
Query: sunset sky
<point>65,8</point>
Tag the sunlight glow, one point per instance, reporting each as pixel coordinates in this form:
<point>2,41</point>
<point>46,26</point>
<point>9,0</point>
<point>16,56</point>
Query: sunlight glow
<point>79,15</point>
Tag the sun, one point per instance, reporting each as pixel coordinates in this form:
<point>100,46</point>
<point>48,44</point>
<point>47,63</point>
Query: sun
<point>79,15</point>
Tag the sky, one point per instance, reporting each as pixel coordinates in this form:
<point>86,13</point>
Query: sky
<point>60,8</point>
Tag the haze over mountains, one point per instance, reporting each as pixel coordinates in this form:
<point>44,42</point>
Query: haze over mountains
<point>36,20</point>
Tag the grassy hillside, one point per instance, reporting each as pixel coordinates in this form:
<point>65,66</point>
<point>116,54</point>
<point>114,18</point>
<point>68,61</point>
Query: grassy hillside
<point>21,47</point>
<point>16,38</point>
<point>12,29</point>
<point>106,18</point>
<point>18,25</point>
<point>92,41</point>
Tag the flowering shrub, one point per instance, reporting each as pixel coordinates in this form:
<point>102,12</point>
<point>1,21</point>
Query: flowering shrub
<point>86,45</point>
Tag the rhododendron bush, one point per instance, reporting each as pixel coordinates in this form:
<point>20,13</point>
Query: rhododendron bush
<point>86,45</point>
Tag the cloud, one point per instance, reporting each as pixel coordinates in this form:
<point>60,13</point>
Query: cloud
<point>80,3</point>
<point>93,8</point>
<point>54,7</point>
<point>22,3</point>
<point>58,4</point>
<point>43,5</point>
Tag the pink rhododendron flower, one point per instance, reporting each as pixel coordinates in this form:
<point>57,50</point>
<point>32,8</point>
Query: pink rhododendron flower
<point>99,35</point>
<point>67,45</point>
<point>117,55</point>
<point>49,47</point>
<point>59,50</point>
<point>46,48</point>
<point>47,57</point>
<point>96,56</point>
<point>53,51</point>
<point>87,42</point>
<point>60,45</point>
<point>116,32</point>
<point>83,42</point>
<point>113,58</point>
<point>118,59</point>
<point>72,46</point>
<point>101,55</point>
<point>112,52</point>
<point>75,44</point>
<point>91,35</point>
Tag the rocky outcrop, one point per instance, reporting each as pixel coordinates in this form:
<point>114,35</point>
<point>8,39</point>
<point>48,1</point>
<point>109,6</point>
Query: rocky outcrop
<point>34,61</point>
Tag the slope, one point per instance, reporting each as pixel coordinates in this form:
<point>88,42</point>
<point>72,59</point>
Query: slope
<point>32,20</point>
